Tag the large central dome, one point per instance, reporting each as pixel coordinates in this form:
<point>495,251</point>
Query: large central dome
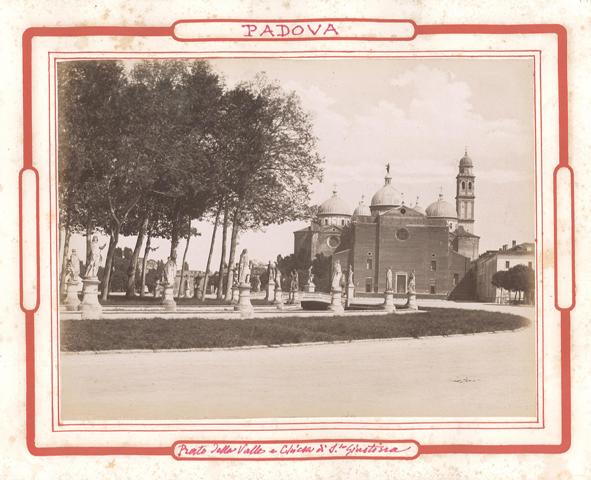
<point>387,196</point>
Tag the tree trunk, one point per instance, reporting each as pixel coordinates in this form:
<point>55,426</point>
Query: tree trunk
<point>113,240</point>
<point>144,260</point>
<point>206,277</point>
<point>223,256</point>
<point>66,248</point>
<point>233,243</point>
<point>62,236</point>
<point>174,235</point>
<point>181,281</point>
<point>88,242</point>
<point>130,293</point>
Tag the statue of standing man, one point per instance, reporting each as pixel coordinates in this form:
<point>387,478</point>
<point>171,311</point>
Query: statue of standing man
<point>169,272</point>
<point>96,258</point>
<point>389,283</point>
<point>411,282</point>
<point>243,268</point>
<point>337,275</point>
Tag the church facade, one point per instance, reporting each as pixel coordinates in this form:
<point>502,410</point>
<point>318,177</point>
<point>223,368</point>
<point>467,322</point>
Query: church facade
<point>437,244</point>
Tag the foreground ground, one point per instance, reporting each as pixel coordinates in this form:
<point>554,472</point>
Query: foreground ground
<point>486,374</point>
<point>179,333</point>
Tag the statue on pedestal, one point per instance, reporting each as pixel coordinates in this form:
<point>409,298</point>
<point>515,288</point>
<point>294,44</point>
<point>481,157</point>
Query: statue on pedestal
<point>96,258</point>
<point>411,283</point>
<point>277,277</point>
<point>310,276</point>
<point>350,281</point>
<point>337,276</point>
<point>389,284</point>
<point>169,272</point>
<point>244,268</point>
<point>73,268</point>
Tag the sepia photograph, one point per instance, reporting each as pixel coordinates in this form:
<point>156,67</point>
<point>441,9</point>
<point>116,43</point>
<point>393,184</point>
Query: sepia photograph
<point>251,238</point>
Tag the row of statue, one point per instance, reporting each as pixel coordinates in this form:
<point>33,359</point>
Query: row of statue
<point>240,274</point>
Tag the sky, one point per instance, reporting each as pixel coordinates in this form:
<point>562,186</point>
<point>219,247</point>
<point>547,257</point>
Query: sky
<point>417,114</point>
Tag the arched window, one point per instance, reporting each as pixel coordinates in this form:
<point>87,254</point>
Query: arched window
<point>469,185</point>
<point>326,221</point>
<point>463,185</point>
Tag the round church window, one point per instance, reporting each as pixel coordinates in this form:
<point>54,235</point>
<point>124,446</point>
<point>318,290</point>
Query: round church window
<point>333,242</point>
<point>402,234</point>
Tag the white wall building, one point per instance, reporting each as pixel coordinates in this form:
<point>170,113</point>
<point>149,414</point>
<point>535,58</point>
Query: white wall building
<point>496,260</point>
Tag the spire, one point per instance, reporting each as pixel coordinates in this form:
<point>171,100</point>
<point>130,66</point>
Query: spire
<point>402,196</point>
<point>334,189</point>
<point>440,192</point>
<point>417,202</point>
<point>466,150</point>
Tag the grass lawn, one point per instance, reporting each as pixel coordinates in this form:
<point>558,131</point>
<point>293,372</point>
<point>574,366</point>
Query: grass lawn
<point>160,333</point>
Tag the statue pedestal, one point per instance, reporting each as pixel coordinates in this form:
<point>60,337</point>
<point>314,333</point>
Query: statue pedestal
<point>235,295</point>
<point>270,296</point>
<point>72,301</point>
<point>168,299</point>
<point>90,307</point>
<point>350,294</point>
<point>244,306</point>
<point>294,298</point>
<point>411,301</point>
<point>278,298</point>
<point>336,304</point>
<point>389,301</point>
<point>309,288</point>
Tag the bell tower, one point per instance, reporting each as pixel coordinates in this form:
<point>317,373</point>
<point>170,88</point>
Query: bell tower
<point>465,193</point>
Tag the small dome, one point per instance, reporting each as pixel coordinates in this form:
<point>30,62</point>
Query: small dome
<point>334,206</point>
<point>465,161</point>
<point>362,208</point>
<point>441,209</point>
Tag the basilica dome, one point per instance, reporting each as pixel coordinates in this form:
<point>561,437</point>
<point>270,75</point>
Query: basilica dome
<point>441,209</point>
<point>362,208</point>
<point>334,206</point>
<point>387,196</point>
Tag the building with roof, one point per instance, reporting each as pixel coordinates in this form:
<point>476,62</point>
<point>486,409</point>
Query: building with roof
<point>437,243</point>
<point>493,261</point>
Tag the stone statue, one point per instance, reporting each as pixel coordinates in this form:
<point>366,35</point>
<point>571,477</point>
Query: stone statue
<point>337,276</point>
<point>271,272</point>
<point>310,276</point>
<point>411,283</point>
<point>256,283</point>
<point>169,272</point>
<point>235,274</point>
<point>277,276</point>
<point>243,267</point>
<point>389,284</point>
<point>246,272</point>
<point>96,258</point>
<point>350,276</point>
<point>73,268</point>
<point>295,281</point>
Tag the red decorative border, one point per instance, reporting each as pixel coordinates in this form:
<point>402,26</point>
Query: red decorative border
<point>28,36</point>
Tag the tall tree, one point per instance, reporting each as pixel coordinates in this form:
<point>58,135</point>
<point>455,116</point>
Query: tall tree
<point>210,254</point>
